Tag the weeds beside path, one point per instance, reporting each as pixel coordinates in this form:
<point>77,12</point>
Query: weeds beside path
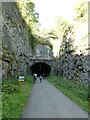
<point>75,90</point>
<point>15,96</point>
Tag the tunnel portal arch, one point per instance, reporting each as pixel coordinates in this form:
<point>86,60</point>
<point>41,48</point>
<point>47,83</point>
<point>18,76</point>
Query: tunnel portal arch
<point>40,68</point>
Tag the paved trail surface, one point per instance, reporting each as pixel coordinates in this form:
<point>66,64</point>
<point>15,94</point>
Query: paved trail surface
<point>48,102</point>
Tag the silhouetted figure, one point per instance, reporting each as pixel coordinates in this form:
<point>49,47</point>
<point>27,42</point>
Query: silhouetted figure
<point>40,78</point>
<point>35,77</point>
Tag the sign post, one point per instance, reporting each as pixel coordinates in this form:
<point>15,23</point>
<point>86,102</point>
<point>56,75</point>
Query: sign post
<point>21,78</point>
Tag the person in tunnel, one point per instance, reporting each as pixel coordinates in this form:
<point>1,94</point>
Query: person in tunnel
<point>35,77</point>
<point>41,78</point>
<point>41,68</point>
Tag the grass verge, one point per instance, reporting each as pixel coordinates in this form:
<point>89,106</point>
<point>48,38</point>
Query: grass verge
<point>75,90</point>
<point>15,96</point>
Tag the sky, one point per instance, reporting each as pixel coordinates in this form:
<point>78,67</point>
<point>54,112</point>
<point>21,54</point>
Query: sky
<point>49,9</point>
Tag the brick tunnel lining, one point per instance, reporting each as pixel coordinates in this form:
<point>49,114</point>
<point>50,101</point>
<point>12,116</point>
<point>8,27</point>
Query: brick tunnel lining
<point>41,68</point>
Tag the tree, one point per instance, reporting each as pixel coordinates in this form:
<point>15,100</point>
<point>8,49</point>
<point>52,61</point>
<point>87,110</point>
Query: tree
<point>61,25</point>
<point>28,13</point>
<point>82,11</point>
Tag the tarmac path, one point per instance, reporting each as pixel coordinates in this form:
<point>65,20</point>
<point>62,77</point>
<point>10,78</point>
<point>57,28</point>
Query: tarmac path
<point>46,101</point>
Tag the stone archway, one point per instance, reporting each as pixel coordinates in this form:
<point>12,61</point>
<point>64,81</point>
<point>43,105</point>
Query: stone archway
<point>41,68</point>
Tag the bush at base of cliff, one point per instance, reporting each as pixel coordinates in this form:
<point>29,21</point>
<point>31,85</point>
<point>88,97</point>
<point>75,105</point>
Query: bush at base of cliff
<point>10,86</point>
<point>13,104</point>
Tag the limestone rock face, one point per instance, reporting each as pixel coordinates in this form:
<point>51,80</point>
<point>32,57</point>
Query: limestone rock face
<point>73,62</point>
<point>43,51</point>
<point>15,42</point>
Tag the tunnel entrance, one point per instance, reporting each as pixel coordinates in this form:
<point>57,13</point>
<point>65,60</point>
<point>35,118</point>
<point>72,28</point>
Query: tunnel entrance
<point>41,68</point>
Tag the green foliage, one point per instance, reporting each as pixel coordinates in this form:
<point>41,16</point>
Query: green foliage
<point>29,79</point>
<point>44,41</point>
<point>10,86</point>
<point>28,13</point>
<point>39,40</point>
<point>13,104</point>
<point>85,37</point>
<point>33,41</point>
<point>82,11</point>
<point>30,21</point>
<point>76,90</point>
<point>47,33</point>
<point>53,32</point>
<point>61,26</point>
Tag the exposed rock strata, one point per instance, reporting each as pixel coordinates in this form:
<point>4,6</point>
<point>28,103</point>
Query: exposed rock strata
<point>73,62</point>
<point>16,47</point>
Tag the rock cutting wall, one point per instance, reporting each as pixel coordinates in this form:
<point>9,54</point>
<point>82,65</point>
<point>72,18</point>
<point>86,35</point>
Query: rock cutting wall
<point>43,51</point>
<point>73,62</point>
<point>16,46</point>
<point>15,42</point>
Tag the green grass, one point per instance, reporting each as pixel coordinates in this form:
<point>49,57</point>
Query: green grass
<point>0,105</point>
<point>14,102</point>
<point>75,90</point>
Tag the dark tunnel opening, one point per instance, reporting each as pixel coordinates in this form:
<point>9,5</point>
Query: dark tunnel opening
<point>41,68</point>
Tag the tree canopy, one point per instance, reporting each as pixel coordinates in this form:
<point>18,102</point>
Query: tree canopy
<point>82,11</point>
<point>28,13</point>
<point>61,25</point>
